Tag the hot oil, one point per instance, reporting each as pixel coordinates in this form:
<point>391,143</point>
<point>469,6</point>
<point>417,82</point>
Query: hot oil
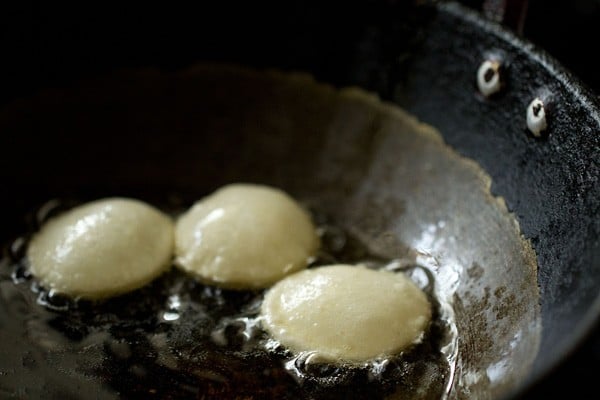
<point>178,338</point>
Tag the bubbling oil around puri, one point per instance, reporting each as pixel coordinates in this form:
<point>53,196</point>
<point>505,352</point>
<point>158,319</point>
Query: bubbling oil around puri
<point>177,337</point>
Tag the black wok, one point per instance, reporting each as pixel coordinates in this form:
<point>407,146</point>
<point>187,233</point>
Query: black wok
<point>423,58</point>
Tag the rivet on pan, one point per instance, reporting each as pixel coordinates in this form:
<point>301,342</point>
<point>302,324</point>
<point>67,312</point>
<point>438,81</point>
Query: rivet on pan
<point>536,117</point>
<point>488,77</point>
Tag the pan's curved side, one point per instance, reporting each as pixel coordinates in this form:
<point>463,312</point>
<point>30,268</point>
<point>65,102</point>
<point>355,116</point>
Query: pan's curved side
<point>550,183</point>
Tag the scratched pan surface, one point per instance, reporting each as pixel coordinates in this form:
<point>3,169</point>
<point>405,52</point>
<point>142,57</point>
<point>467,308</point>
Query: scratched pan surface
<point>98,137</point>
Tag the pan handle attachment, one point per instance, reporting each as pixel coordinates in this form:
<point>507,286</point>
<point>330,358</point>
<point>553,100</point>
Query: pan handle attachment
<point>510,13</point>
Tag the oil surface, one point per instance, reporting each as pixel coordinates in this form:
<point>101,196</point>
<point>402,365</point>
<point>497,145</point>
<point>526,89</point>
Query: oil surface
<point>177,338</point>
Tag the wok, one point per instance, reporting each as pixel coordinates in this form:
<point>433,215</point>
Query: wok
<point>94,129</point>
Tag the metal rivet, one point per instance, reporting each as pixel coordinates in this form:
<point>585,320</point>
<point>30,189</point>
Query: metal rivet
<point>488,77</point>
<point>536,117</point>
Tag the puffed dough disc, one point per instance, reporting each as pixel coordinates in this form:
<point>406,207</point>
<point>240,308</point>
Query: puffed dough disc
<point>346,313</point>
<point>102,248</point>
<point>245,236</point>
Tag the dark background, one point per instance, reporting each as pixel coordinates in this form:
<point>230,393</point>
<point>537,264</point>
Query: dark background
<point>36,55</point>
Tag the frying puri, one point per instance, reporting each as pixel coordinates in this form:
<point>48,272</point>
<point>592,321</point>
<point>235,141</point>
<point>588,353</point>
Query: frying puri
<point>346,313</point>
<point>245,236</point>
<point>102,248</point>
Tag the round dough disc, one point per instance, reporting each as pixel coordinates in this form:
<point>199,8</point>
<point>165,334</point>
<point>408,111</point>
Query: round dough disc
<point>245,236</point>
<point>102,248</point>
<point>346,313</point>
